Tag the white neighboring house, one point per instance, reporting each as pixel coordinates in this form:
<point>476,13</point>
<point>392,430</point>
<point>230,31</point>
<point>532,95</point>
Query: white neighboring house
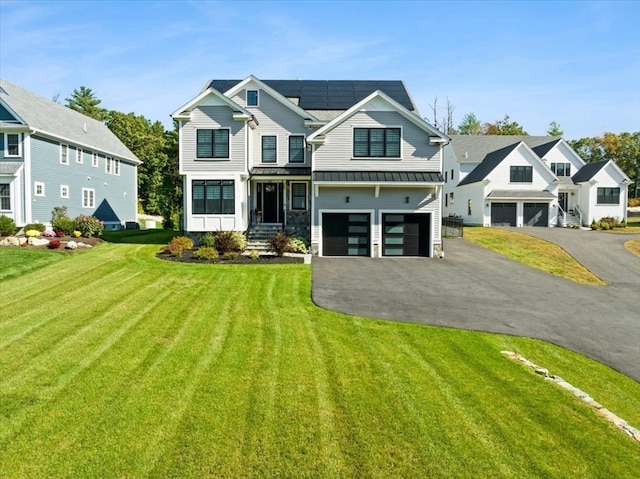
<point>528,181</point>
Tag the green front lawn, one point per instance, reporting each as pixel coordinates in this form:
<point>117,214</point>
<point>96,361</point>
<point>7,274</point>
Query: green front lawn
<point>116,364</point>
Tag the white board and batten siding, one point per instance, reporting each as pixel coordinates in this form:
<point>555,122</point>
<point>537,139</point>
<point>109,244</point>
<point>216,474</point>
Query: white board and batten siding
<point>212,117</point>
<point>336,154</point>
<point>390,200</point>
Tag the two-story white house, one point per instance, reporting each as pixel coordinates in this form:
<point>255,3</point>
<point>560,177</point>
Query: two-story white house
<point>349,164</point>
<point>528,181</point>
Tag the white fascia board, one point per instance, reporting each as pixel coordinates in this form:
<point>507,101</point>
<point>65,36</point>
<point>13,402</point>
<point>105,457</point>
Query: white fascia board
<point>183,113</point>
<point>625,178</point>
<point>278,96</point>
<point>412,117</point>
<point>568,150</point>
<point>88,146</point>
<point>12,111</point>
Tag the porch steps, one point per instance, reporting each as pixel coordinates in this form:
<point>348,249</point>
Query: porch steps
<point>570,219</point>
<point>259,235</point>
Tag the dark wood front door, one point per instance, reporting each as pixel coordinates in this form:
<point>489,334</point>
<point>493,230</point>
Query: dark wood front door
<point>270,197</point>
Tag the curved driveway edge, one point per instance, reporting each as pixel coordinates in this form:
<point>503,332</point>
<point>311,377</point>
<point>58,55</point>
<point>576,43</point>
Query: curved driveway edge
<point>474,288</point>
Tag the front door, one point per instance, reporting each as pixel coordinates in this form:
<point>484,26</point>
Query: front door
<point>563,201</point>
<point>270,202</point>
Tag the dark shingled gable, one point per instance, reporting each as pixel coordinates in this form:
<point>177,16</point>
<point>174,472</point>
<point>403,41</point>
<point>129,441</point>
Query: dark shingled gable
<point>542,150</point>
<point>492,160</point>
<point>588,171</point>
<point>379,176</point>
<point>329,94</point>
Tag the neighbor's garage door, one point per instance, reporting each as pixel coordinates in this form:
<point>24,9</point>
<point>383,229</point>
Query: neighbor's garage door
<point>536,214</point>
<point>503,214</point>
<point>345,234</point>
<point>405,234</point>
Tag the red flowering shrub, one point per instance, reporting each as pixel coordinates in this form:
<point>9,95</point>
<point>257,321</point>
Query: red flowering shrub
<point>53,244</point>
<point>59,233</point>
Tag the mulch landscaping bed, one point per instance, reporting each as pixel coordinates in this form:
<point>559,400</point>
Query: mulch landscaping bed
<point>187,257</point>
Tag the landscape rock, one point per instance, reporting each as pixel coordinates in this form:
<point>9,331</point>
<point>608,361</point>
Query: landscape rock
<point>71,245</point>
<point>83,245</point>
<point>33,241</point>
<point>10,241</point>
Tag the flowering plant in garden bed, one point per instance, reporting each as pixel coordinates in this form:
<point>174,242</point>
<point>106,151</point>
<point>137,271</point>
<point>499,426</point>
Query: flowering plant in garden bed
<point>32,233</point>
<point>89,226</point>
<point>54,244</point>
<point>60,234</point>
<point>48,233</point>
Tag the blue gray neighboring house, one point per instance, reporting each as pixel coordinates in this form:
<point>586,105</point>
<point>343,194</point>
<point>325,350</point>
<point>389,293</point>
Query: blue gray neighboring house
<point>53,156</point>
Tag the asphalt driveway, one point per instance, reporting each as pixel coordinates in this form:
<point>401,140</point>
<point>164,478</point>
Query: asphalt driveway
<point>473,288</point>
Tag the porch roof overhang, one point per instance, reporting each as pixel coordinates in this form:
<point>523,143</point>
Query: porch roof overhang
<point>521,195</point>
<point>379,177</point>
<point>10,167</point>
<point>286,172</point>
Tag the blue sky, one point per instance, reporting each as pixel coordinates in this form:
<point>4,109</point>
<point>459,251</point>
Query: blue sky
<point>577,63</point>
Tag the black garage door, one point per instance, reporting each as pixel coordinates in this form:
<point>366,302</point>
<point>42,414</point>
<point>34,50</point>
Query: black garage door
<point>536,214</point>
<point>405,234</point>
<point>345,234</point>
<point>503,214</point>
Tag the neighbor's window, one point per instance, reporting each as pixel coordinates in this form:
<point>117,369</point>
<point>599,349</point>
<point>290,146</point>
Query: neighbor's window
<point>5,196</point>
<point>38,188</point>
<point>451,198</point>
<point>296,149</point>
<point>298,196</point>
<point>88,198</point>
<point>13,144</point>
<point>79,155</point>
<point>212,143</point>
<point>269,149</point>
<point>213,197</point>
<point>376,142</point>
<point>521,174</point>
<point>94,160</point>
<point>64,154</point>
<point>561,169</point>
<point>64,191</point>
<point>608,196</point>
<point>252,97</point>
<point>116,167</point>
<point>108,166</point>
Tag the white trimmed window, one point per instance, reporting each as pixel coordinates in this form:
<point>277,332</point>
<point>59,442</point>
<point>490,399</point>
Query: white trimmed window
<point>13,147</point>
<point>252,98</point>
<point>38,188</point>
<point>94,160</point>
<point>64,154</point>
<point>88,198</point>
<point>79,154</point>
<point>5,196</point>
<point>116,167</point>
<point>64,191</point>
<point>108,167</point>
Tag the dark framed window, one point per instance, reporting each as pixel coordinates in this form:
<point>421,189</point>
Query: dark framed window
<point>13,144</point>
<point>376,142</point>
<point>213,197</point>
<point>269,149</point>
<point>521,174</point>
<point>296,149</point>
<point>5,196</point>
<point>298,196</point>
<point>212,143</point>
<point>561,169</point>
<point>608,196</point>
<point>252,97</point>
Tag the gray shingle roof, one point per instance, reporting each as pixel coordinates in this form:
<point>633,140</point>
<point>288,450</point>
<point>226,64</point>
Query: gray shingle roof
<point>588,171</point>
<point>329,94</point>
<point>280,171</point>
<point>9,167</point>
<point>379,176</point>
<point>474,148</point>
<point>47,116</point>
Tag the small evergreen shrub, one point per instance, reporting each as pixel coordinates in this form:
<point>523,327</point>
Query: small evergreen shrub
<point>184,241</point>
<point>175,249</point>
<point>240,239</point>
<point>594,225</point>
<point>230,255</point>
<point>65,224</point>
<point>254,254</point>
<point>207,240</point>
<point>206,252</point>
<point>89,226</point>
<point>228,241</point>
<point>297,244</point>
<point>279,244</point>
<point>35,226</point>
<point>7,226</point>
